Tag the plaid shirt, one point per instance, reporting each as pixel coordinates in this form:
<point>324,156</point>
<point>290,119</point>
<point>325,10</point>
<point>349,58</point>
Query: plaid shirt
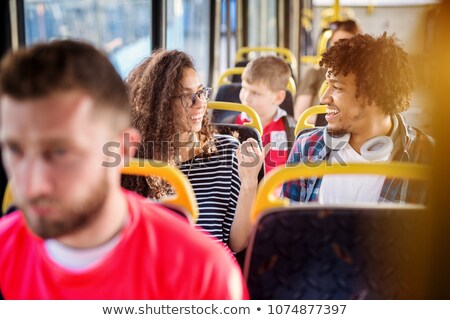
<point>310,148</point>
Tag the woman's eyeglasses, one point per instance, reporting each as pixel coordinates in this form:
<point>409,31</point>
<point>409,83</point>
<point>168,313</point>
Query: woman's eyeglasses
<point>188,99</point>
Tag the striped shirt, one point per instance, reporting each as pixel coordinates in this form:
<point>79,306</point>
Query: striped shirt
<point>216,184</point>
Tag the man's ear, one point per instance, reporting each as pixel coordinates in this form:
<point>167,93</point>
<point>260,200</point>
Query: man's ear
<point>280,96</point>
<point>131,140</point>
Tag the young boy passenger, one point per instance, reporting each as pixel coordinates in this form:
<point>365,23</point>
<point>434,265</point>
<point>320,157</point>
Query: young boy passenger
<point>264,81</point>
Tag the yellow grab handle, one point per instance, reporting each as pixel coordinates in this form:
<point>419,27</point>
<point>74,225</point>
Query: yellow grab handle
<point>184,194</point>
<point>322,89</point>
<point>265,198</point>
<point>310,59</point>
<point>323,41</point>
<point>289,56</point>
<point>321,47</point>
<point>234,71</point>
<point>230,106</point>
<point>337,10</point>
<point>292,87</point>
<point>227,73</point>
<point>302,124</point>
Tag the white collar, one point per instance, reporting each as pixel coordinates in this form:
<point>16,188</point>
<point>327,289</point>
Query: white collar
<point>78,259</point>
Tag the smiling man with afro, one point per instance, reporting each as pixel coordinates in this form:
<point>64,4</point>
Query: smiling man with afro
<point>370,82</point>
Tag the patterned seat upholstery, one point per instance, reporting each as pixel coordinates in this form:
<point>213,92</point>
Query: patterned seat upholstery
<point>341,253</point>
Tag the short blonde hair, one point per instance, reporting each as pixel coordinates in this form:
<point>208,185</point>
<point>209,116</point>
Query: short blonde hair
<point>270,70</point>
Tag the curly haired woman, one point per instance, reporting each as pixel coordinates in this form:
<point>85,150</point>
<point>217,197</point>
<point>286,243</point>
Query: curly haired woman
<point>169,109</point>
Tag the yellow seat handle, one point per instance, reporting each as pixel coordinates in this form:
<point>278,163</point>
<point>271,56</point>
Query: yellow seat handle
<point>234,71</point>
<point>288,54</point>
<point>323,41</point>
<point>184,197</point>
<point>184,194</point>
<point>310,59</point>
<point>265,198</point>
<point>255,121</point>
<point>321,47</point>
<point>302,124</point>
<point>322,89</point>
<point>292,87</point>
<point>229,72</point>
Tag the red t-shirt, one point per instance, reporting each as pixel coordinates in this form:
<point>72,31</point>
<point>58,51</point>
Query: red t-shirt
<point>275,134</point>
<point>159,256</point>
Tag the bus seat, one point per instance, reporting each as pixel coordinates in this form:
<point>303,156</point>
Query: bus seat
<point>238,107</point>
<point>322,45</point>
<point>239,64</point>
<point>229,93</point>
<point>226,93</point>
<point>332,252</point>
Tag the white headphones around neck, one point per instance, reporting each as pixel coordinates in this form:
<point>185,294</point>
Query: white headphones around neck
<point>376,149</point>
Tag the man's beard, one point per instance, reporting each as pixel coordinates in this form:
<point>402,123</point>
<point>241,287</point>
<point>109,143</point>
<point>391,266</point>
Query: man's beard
<point>71,217</point>
<point>343,128</point>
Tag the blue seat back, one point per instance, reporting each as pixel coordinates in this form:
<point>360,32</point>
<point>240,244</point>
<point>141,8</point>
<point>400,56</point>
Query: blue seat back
<point>341,253</point>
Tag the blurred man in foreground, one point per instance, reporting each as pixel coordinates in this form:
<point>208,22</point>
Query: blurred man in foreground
<point>78,235</point>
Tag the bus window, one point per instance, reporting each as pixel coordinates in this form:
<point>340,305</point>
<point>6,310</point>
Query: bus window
<point>262,23</point>
<point>120,27</point>
<point>188,29</point>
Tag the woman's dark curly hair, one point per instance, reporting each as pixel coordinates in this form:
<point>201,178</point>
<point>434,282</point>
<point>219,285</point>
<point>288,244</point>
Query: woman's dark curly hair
<point>382,69</point>
<point>154,87</point>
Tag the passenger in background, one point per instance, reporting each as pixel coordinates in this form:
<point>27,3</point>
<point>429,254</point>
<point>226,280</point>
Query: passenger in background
<point>169,109</point>
<point>264,83</point>
<point>78,235</point>
<point>370,81</point>
<point>308,91</point>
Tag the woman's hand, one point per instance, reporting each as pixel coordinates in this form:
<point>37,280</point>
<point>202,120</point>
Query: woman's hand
<point>250,160</point>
